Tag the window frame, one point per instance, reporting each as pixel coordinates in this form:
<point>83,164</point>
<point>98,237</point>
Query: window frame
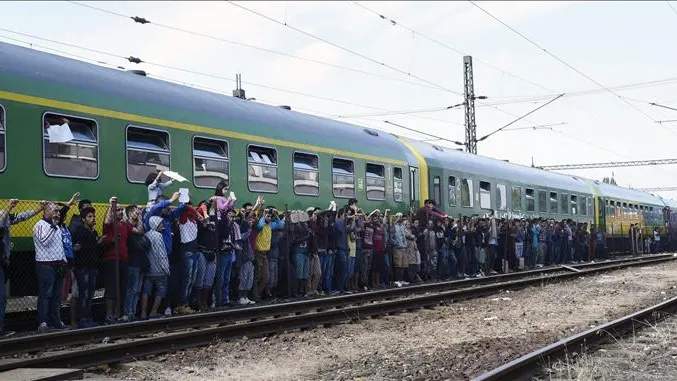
<point>401,180</point>
<point>293,170</point>
<point>550,203</point>
<point>366,176</point>
<point>501,190</point>
<point>486,192</point>
<point>545,199</point>
<point>3,132</point>
<point>192,151</point>
<point>471,191</point>
<point>277,167</point>
<point>533,197</point>
<point>519,199</point>
<point>566,204</point>
<point>354,174</point>
<point>42,136</point>
<point>169,143</point>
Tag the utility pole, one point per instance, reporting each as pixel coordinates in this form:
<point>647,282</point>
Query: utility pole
<point>470,126</point>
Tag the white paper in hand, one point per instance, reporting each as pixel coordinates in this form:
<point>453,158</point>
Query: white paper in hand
<point>183,195</point>
<point>232,196</point>
<point>175,176</point>
<point>59,134</point>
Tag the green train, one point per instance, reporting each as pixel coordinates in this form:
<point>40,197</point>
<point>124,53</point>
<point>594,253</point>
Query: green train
<point>125,125</point>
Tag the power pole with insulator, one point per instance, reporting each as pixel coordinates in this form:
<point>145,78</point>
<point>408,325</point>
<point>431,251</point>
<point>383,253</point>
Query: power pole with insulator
<point>470,127</point>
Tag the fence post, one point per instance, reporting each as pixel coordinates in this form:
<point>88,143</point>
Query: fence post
<point>116,247</point>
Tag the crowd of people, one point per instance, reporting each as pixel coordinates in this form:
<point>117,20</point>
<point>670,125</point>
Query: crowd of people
<point>170,257</point>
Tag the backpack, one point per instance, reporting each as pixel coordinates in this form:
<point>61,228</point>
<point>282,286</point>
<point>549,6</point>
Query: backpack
<point>140,245</point>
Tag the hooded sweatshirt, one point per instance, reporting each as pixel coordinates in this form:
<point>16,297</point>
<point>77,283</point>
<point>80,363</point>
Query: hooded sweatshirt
<point>159,261</point>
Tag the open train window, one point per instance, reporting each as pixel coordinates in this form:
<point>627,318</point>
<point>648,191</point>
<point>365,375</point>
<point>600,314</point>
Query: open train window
<point>398,184</point>
<point>148,150</point>
<point>516,198</point>
<point>574,205</point>
<point>542,206</point>
<point>3,152</point>
<point>531,202</point>
<point>70,146</point>
<point>564,203</point>
<point>485,195</point>
<point>467,193</point>
<point>262,169</point>
<point>306,174</point>
<point>452,190</point>
<point>375,177</point>
<point>502,197</point>
<point>343,178</point>
<point>553,203</point>
<point>210,162</point>
<point>437,190</point>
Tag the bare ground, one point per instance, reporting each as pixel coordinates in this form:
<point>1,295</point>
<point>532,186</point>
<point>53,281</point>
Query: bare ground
<point>453,342</point>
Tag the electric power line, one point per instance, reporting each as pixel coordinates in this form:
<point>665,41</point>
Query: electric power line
<point>671,7</point>
<point>341,47</point>
<point>142,20</point>
<point>561,60</point>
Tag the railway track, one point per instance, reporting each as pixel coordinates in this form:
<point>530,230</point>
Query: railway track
<point>532,364</point>
<point>188,331</point>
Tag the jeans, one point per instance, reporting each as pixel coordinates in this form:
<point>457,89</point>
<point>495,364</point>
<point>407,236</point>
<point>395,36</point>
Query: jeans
<point>341,269</point>
<point>460,260</point>
<point>86,278</point>
<point>442,262</point>
<point>191,261</point>
<point>3,298</point>
<point>491,258</point>
<point>49,294</point>
<point>134,281</point>
<point>327,263</point>
<point>451,263</point>
<point>224,266</point>
<point>273,273</point>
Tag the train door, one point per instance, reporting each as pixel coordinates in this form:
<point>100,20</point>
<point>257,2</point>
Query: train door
<point>601,210</point>
<point>414,194</point>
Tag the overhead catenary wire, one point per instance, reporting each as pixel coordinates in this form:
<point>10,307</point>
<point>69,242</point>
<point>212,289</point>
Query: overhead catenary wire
<point>341,47</point>
<point>138,60</point>
<point>532,42</point>
<point>143,20</point>
<point>671,7</point>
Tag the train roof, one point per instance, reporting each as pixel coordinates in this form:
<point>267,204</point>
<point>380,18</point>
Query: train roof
<point>620,193</point>
<point>51,76</point>
<point>464,162</point>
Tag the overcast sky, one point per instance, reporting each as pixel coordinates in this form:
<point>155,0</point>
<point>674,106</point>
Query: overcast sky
<point>612,43</point>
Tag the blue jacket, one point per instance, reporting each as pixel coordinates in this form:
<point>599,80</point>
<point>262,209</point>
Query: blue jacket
<point>156,210</point>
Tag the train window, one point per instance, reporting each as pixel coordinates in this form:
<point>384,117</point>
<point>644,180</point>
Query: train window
<point>398,184</point>
<point>531,202</point>
<point>376,182</point>
<point>583,206</point>
<point>452,191</point>
<point>564,203</point>
<point>262,169</point>
<point>467,193</point>
<point>210,162</point>
<point>147,151</point>
<point>306,174</point>
<point>502,196</point>
<point>553,203</point>
<point>3,153</point>
<point>414,192</point>
<point>343,174</point>
<point>485,195</point>
<point>516,198</point>
<point>591,208</point>
<point>70,146</point>
<point>542,206</point>
<point>437,190</point>
<point>574,205</point>
<point>625,209</point>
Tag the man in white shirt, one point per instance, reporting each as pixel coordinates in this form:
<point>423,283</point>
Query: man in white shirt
<point>50,263</point>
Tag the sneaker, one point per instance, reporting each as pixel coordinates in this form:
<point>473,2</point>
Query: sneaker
<point>184,310</point>
<point>251,301</point>
<point>493,272</point>
<point>243,301</point>
<point>124,319</point>
<point>168,311</point>
<point>42,328</point>
<point>110,320</point>
<point>405,283</point>
<point>61,326</point>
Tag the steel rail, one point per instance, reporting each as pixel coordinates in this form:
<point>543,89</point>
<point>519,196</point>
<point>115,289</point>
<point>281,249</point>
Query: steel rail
<point>525,366</point>
<point>40,342</point>
<point>302,318</point>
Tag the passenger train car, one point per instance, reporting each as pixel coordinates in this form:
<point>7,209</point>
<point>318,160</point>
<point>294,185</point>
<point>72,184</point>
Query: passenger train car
<point>125,125</point>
